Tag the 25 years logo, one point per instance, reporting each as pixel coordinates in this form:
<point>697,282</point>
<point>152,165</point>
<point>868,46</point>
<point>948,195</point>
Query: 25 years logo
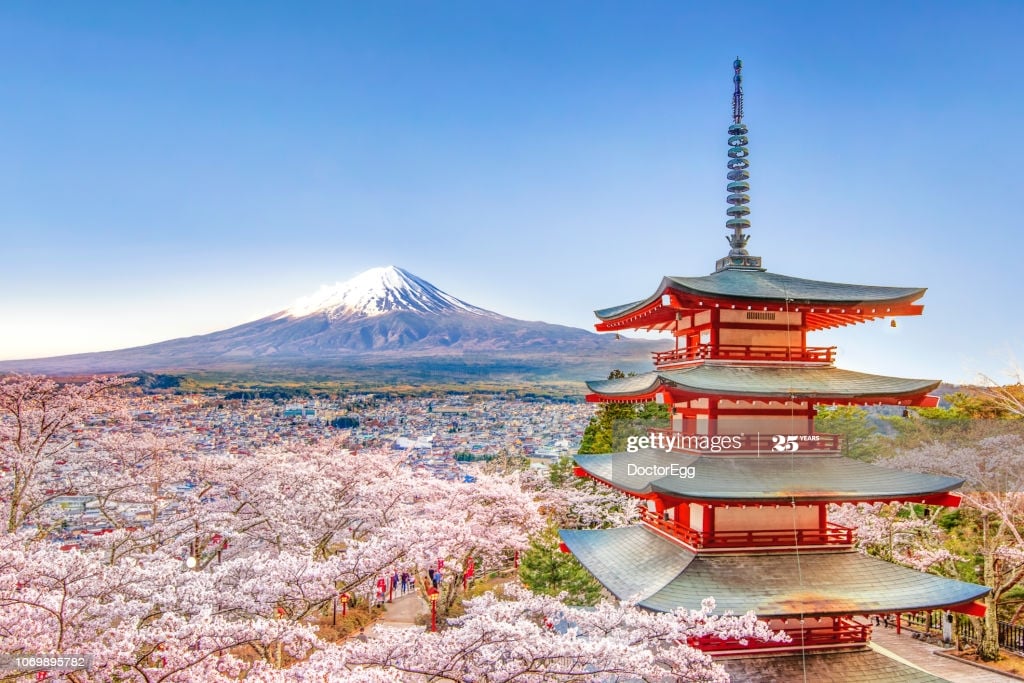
<point>782,443</point>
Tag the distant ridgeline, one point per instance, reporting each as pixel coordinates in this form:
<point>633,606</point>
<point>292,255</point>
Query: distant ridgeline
<point>153,381</point>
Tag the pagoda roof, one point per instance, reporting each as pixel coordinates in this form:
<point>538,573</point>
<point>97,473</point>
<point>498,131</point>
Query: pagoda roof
<point>758,479</point>
<point>710,378</point>
<point>638,564</point>
<point>862,665</point>
<point>760,285</point>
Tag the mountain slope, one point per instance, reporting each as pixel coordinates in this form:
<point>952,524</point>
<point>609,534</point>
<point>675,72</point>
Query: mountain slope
<point>382,316</point>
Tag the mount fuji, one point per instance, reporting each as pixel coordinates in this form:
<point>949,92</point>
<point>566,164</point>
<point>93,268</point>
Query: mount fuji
<point>380,291</point>
<point>382,318</point>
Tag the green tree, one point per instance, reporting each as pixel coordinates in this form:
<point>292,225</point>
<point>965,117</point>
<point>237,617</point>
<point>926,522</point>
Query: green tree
<point>545,569</point>
<point>966,405</point>
<point>606,431</point>
<point>613,423</point>
<point>969,416</point>
<point>859,435</point>
<point>560,473</point>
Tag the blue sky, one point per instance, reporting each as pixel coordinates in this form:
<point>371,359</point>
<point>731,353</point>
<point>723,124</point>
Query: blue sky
<point>175,168</point>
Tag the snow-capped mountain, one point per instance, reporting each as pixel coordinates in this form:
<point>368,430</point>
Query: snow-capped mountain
<point>379,291</point>
<point>382,317</point>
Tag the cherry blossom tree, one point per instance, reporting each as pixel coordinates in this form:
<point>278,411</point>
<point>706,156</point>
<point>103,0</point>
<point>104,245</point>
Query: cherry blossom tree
<point>574,502</point>
<point>140,618</point>
<point>529,638</point>
<point>993,498</point>
<point>897,534</point>
<point>41,421</point>
<point>217,566</point>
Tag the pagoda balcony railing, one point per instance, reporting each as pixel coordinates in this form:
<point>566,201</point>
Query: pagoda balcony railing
<point>755,443</point>
<point>809,354</point>
<point>673,528</point>
<point>831,535</point>
<point>842,631</point>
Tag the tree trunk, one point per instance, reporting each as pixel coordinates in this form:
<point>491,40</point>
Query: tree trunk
<point>988,648</point>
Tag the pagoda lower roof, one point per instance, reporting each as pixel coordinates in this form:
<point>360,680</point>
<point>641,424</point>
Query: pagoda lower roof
<point>760,285</point>
<point>786,382</point>
<point>638,564</point>
<point>773,477</point>
<point>861,665</point>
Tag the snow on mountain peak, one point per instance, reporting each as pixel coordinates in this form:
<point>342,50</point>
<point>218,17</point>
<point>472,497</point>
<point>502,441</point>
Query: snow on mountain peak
<point>378,291</point>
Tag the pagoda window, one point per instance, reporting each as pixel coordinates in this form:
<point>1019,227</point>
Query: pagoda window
<point>763,318</point>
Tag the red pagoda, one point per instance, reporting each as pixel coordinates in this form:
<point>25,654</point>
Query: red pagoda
<point>734,495</point>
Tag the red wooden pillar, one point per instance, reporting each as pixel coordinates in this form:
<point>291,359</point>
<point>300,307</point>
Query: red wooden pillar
<point>716,321</point>
<point>682,513</point>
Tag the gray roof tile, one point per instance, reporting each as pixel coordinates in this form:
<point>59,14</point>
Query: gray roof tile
<point>765,286</point>
<point>862,665</point>
<point>813,382</point>
<point>650,566</point>
<point>772,584</point>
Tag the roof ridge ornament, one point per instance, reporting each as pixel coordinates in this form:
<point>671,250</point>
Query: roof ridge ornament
<point>738,186</point>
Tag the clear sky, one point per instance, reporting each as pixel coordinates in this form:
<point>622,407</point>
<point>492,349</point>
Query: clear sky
<point>174,168</point>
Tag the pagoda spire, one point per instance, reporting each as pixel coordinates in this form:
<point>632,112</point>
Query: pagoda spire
<point>738,186</point>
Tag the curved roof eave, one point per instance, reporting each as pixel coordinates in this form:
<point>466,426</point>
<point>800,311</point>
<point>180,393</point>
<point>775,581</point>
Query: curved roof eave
<point>764,286</point>
<point>759,381</point>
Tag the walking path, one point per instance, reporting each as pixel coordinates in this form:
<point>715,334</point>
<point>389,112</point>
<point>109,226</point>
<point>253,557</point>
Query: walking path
<point>921,654</point>
<point>402,612</point>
